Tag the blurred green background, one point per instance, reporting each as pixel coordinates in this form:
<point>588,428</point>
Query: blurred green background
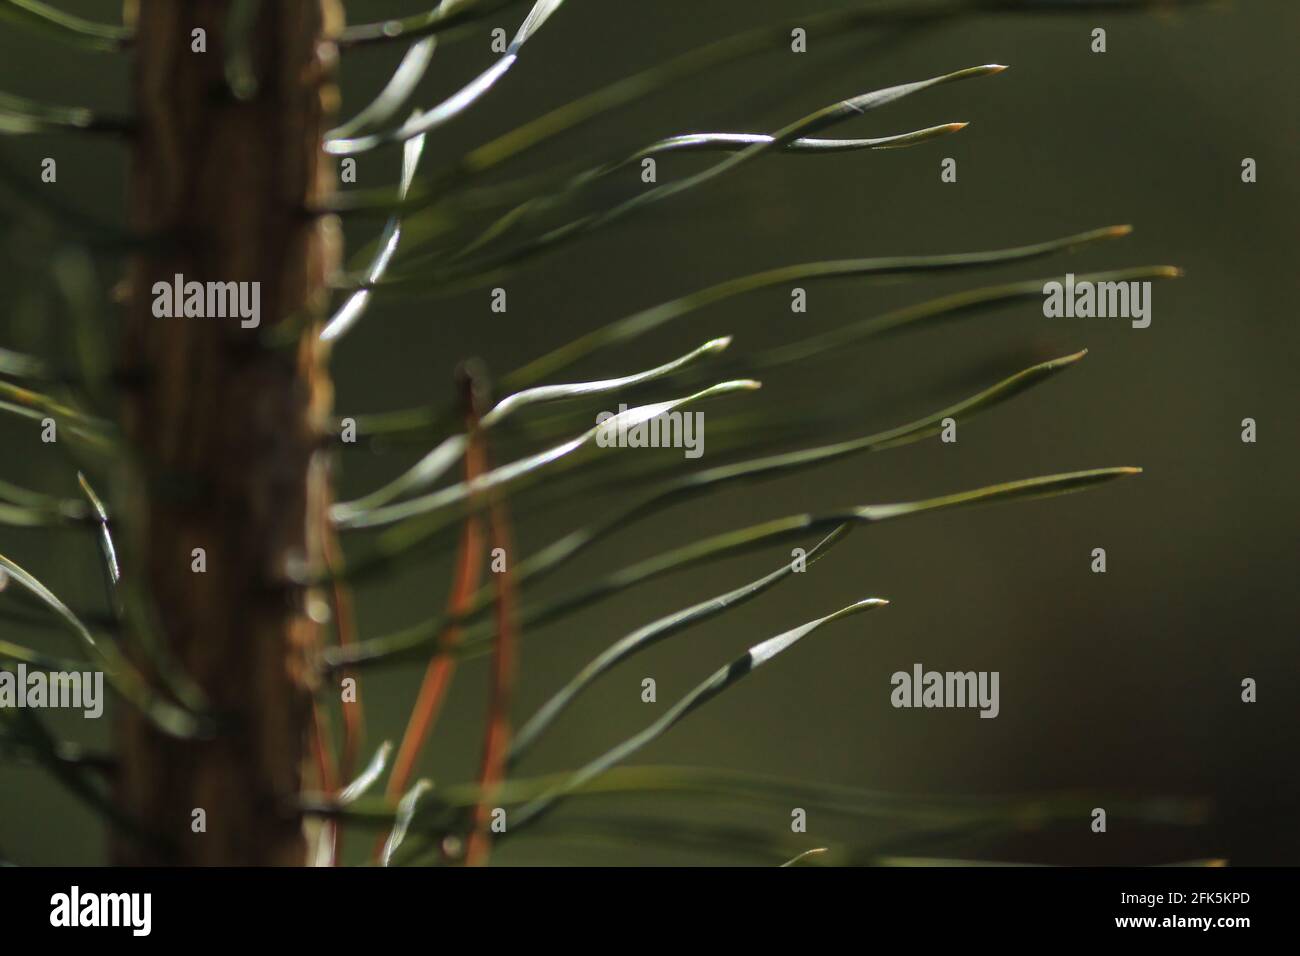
<point>1122,683</point>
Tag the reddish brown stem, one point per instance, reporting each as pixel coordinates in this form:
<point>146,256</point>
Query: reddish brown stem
<point>496,739</point>
<point>437,676</point>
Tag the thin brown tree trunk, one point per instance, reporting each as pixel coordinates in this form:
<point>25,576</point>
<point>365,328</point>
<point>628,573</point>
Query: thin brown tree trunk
<point>227,430</point>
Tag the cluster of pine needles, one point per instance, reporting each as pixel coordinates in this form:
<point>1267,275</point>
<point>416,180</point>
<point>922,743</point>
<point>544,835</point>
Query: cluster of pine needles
<point>448,230</point>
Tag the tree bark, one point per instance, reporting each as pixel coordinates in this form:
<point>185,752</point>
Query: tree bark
<point>226,430</point>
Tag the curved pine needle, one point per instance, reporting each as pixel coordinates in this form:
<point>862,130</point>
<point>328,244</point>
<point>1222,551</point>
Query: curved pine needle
<point>112,572</point>
<point>783,529</point>
<point>351,310</point>
<point>517,472</point>
<point>646,320</point>
<point>396,92</point>
<point>821,119</point>
<point>555,183</point>
<point>419,420</point>
<point>413,421</point>
<point>367,778</point>
<point>20,116</point>
<point>639,85</point>
<point>405,813</point>
<point>44,404</point>
<point>804,145</point>
<point>943,308</point>
<point>18,365</point>
<point>445,16</point>
<point>617,474</point>
<point>682,487</point>
<point>11,653</point>
<point>802,857</point>
<point>955,304</point>
<point>54,23</point>
<point>46,597</point>
<point>721,679</point>
<point>688,486</point>
<point>692,63</point>
<point>16,494</point>
<point>731,786</point>
<point>653,633</point>
<point>94,440</point>
<point>23,508</point>
<point>620,93</point>
<point>433,465</point>
<point>118,671</point>
<point>550,393</point>
<point>572,114</point>
<point>457,103</point>
<point>625,832</point>
<point>694,143</point>
<point>421,475</point>
<point>16,517</point>
<point>416,640</point>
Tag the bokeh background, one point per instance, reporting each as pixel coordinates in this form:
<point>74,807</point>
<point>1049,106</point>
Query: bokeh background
<point>1122,683</point>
